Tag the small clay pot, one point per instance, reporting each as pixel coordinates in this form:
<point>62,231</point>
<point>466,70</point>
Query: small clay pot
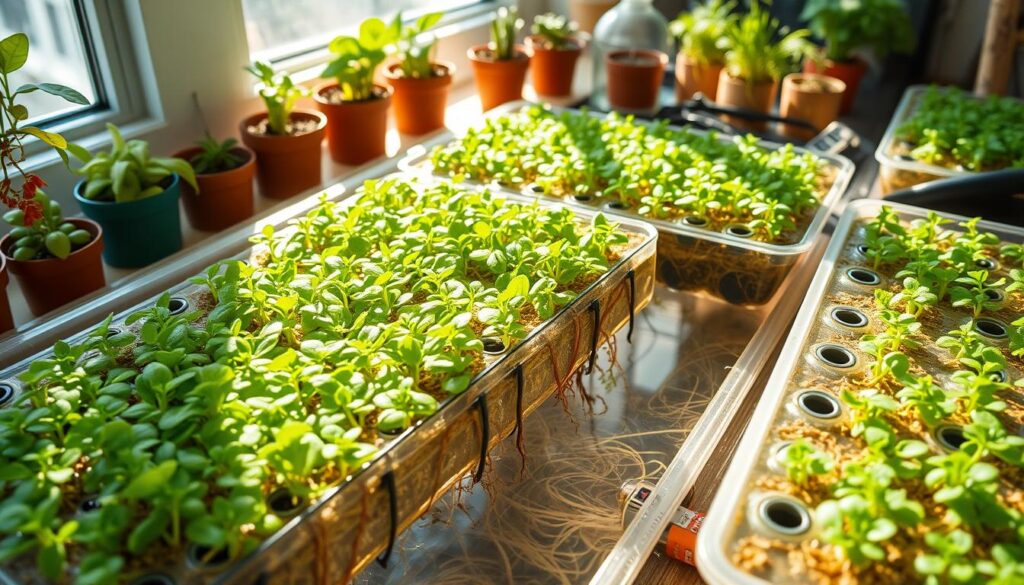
<point>586,13</point>
<point>224,198</point>
<point>693,77</point>
<point>286,165</point>
<point>850,72</point>
<point>552,70</point>
<point>50,283</point>
<point>6,320</point>
<point>634,78</point>
<point>736,92</point>
<point>420,103</point>
<point>356,131</point>
<point>498,81</point>
<point>812,98</point>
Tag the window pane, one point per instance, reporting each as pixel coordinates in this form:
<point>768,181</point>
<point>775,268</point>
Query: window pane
<point>283,28</point>
<point>56,54</point>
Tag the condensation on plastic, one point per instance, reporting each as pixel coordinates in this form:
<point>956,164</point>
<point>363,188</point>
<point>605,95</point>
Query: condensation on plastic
<point>738,270</point>
<point>729,517</point>
<point>348,526</point>
<point>896,173</point>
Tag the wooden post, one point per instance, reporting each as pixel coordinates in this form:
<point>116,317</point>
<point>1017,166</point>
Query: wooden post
<point>997,50</point>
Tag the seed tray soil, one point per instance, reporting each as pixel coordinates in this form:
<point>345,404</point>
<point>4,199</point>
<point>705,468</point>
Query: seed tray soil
<point>354,522</point>
<point>765,525</point>
<point>734,268</point>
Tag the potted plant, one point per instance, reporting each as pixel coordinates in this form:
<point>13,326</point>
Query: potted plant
<point>134,196</point>
<point>554,48</point>
<point>286,140</point>
<point>878,26</point>
<point>54,260</point>
<point>634,78</point>
<point>224,171</point>
<point>356,107</point>
<point>756,61</point>
<point>500,66</point>
<point>420,84</point>
<point>810,97</point>
<point>703,43</point>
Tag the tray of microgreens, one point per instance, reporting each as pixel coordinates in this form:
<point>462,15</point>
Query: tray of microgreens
<point>283,415</point>
<point>938,132</point>
<point>886,447</point>
<point>734,213</point>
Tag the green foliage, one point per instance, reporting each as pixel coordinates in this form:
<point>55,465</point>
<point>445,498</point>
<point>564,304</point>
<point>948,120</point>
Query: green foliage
<point>951,128</point>
<point>128,172</point>
<point>48,237</point>
<point>556,31</point>
<point>802,461</point>
<point>279,94</point>
<point>216,156</point>
<point>504,27</point>
<point>702,31</point>
<point>356,59</point>
<point>881,26</point>
<point>760,50</point>
<point>414,45</point>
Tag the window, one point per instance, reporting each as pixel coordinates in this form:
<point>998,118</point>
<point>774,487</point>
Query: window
<point>283,29</point>
<point>57,53</point>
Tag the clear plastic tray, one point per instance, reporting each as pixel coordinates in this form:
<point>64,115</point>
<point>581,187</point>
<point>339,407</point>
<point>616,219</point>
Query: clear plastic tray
<point>739,270</point>
<point>733,514</point>
<point>347,527</point>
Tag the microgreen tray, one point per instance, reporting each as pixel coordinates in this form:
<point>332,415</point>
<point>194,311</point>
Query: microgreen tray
<point>729,264</point>
<point>897,170</point>
<point>845,473</point>
<point>351,523</point>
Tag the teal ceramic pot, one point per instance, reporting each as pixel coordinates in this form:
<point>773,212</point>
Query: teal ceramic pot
<point>137,233</point>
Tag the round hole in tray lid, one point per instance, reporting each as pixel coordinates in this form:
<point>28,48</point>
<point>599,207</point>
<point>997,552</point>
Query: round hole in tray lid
<point>493,346</point>
<point>818,404</point>
<point>835,356</point>
<point>113,332</point>
<point>986,263</point>
<point>582,197</point>
<point>89,503</point>
<point>991,328</point>
<point>863,276</point>
<point>615,205</point>
<point>284,503</point>
<point>849,317</point>
<point>534,188</point>
<point>154,579</point>
<point>1001,376</point>
<point>777,455</point>
<point>863,250</point>
<point>6,393</point>
<point>996,295</point>
<point>784,515</point>
<point>739,230</point>
<point>177,305</point>
<point>203,557</point>
<point>695,220</point>
<point>951,437</point>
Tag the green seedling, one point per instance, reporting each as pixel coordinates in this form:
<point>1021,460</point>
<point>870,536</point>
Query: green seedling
<point>355,59</point>
<point>802,462</point>
<point>279,94</point>
<point>555,31</point>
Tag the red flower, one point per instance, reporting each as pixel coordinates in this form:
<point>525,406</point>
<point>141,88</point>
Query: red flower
<point>32,183</point>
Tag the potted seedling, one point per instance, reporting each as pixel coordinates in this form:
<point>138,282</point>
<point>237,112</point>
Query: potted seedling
<point>878,26</point>
<point>286,140</point>
<point>500,66</point>
<point>134,196</point>
<point>54,260</point>
<point>634,78</point>
<point>703,41</point>
<point>760,53</point>
<point>356,107</point>
<point>420,84</point>
<point>554,48</point>
<point>810,97</point>
<point>224,172</point>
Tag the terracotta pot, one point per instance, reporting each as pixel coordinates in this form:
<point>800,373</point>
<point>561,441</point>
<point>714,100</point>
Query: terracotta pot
<point>850,72</point>
<point>693,77</point>
<point>51,283</point>
<point>809,97</point>
<point>225,198</point>
<point>586,13</point>
<point>498,81</point>
<point>420,103</point>
<point>6,320</point>
<point>356,131</point>
<point>286,165</point>
<point>736,92</point>
<point>634,78</point>
<point>552,70</point>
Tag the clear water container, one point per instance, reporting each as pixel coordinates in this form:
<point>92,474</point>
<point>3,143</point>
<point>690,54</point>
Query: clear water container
<point>631,24</point>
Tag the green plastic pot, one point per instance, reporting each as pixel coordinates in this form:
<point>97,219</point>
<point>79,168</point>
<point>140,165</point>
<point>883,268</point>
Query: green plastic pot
<point>137,233</point>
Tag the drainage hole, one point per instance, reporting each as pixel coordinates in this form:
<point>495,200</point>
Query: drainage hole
<point>849,317</point>
<point>950,437</point>
<point>89,504</point>
<point>785,516</point>
<point>203,556</point>
<point>739,230</point>
<point>177,305</point>
<point>493,345</point>
<point>863,250</point>
<point>818,404</point>
<point>582,197</point>
<point>695,220</point>
<point>536,188</point>
<point>986,263</point>
<point>154,579</point>
<point>835,356</point>
<point>864,276</point>
<point>112,332</point>
<point>283,502</point>
<point>999,376</point>
<point>990,328</point>
<point>6,393</point>
<point>616,205</point>
<point>995,295</point>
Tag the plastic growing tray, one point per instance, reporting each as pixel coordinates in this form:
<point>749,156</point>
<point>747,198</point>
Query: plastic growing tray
<point>353,523</point>
<point>758,517</point>
<point>739,270</point>
<point>898,170</point>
